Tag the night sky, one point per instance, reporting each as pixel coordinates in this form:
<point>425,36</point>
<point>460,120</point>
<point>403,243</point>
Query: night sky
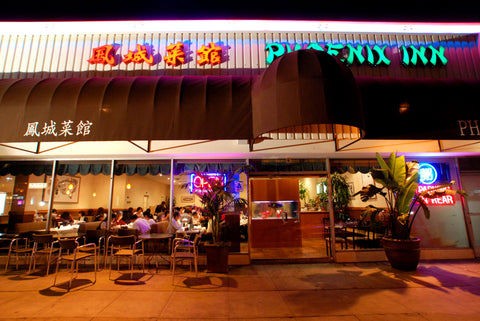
<point>339,10</point>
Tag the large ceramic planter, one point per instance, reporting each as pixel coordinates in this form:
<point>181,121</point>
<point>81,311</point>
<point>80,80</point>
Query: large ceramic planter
<point>217,258</point>
<point>402,254</point>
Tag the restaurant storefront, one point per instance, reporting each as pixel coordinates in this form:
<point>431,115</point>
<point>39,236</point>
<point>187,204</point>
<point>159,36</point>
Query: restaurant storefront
<point>122,114</point>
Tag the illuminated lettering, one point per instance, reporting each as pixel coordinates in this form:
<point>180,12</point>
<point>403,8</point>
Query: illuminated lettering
<point>421,53</point>
<point>374,55</point>
<point>355,53</point>
<point>138,56</point>
<point>103,55</point>
<point>334,49</point>
<point>446,199</point>
<point>209,55</point>
<point>275,50</point>
<point>440,53</point>
<point>200,184</point>
<point>295,48</point>
<point>381,56</point>
<point>175,54</point>
<point>315,46</point>
<point>469,125</point>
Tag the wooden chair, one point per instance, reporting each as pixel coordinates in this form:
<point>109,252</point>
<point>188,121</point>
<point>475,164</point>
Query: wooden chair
<point>184,249</point>
<point>126,247</point>
<point>99,238</point>
<point>42,246</point>
<point>70,252</point>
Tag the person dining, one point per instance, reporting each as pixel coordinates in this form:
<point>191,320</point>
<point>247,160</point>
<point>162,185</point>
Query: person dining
<point>140,224</point>
<point>175,225</point>
<point>196,218</point>
<point>117,219</point>
<point>65,219</point>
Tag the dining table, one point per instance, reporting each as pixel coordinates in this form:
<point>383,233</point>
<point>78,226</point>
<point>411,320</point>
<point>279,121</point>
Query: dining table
<point>157,246</point>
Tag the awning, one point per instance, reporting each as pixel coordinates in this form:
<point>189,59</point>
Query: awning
<point>405,108</point>
<point>302,91</point>
<point>125,108</point>
<point>306,90</point>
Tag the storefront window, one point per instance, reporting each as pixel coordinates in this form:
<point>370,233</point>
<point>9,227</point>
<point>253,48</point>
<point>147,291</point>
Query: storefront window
<point>188,188</point>
<point>142,186</point>
<point>22,192</point>
<point>80,188</point>
<point>445,228</point>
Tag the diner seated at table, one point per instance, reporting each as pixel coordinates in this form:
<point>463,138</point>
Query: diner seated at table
<point>82,217</point>
<point>65,219</point>
<point>38,217</point>
<point>139,212</point>
<point>175,225</point>
<point>165,216</point>
<point>149,218</point>
<point>117,219</point>
<point>161,209</point>
<point>197,218</point>
<point>140,224</point>
<point>100,215</point>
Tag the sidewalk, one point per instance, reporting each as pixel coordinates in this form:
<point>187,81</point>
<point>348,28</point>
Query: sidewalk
<point>437,291</point>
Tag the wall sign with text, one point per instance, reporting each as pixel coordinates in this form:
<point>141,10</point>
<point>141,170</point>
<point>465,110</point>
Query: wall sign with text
<point>373,55</point>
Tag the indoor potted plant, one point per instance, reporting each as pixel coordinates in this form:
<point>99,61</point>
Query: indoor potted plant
<point>217,198</point>
<point>399,181</point>
<point>340,196</point>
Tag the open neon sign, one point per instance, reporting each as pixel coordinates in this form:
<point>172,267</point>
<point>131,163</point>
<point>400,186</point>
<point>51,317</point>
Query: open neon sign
<point>200,184</point>
<point>428,177</point>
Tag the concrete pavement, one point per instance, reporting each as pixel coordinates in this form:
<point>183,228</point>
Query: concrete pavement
<point>437,291</point>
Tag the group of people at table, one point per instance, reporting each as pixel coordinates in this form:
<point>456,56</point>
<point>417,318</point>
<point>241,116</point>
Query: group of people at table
<point>182,220</point>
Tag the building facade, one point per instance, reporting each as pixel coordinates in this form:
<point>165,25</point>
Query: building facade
<point>126,111</point>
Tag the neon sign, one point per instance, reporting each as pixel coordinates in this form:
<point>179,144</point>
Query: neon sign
<point>372,55</point>
<point>441,200</point>
<point>200,184</point>
<point>428,176</point>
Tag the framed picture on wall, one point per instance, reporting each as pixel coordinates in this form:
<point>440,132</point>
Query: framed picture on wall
<point>351,188</point>
<point>66,189</point>
<point>187,198</point>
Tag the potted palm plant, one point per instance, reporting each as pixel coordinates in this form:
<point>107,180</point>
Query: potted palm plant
<point>399,181</point>
<point>217,198</point>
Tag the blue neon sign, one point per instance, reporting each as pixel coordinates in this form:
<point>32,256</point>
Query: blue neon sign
<point>428,174</point>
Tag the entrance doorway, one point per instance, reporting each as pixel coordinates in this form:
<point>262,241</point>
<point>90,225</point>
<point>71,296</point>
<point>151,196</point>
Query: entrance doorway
<point>287,221</point>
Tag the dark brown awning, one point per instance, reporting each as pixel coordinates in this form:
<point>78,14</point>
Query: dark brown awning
<point>402,108</point>
<point>306,87</point>
<point>125,108</point>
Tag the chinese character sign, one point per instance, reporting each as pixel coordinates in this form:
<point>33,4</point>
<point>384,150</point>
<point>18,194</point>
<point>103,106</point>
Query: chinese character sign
<point>138,56</point>
<point>209,55</point>
<point>67,128</point>
<point>174,56</point>
<point>103,55</point>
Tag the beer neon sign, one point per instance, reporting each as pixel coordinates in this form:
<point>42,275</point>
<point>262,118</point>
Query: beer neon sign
<point>428,174</point>
<point>428,177</point>
<point>199,183</point>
